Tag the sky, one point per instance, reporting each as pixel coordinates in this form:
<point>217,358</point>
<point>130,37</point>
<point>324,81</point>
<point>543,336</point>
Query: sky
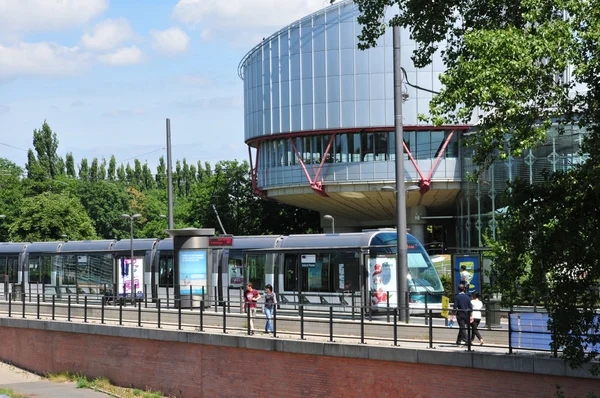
<point>105,74</point>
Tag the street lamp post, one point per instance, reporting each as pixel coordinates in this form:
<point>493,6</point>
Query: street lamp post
<point>402,266</point>
<point>328,217</point>
<point>131,218</point>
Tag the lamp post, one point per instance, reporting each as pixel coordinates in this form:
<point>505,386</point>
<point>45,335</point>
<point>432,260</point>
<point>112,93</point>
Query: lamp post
<point>328,217</point>
<point>131,218</point>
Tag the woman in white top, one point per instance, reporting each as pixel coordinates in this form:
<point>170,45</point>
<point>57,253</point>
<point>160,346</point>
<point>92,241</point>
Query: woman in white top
<point>476,317</point>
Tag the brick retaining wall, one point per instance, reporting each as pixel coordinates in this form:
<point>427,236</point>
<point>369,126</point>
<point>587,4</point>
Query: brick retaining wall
<point>199,370</point>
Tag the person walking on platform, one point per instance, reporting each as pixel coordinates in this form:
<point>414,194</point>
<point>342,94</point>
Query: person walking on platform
<point>270,301</point>
<point>250,299</point>
<point>477,306</point>
<point>462,309</point>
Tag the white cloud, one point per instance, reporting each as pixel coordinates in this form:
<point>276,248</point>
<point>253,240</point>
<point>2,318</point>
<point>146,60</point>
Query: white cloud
<point>170,41</point>
<point>123,56</point>
<point>22,16</point>
<point>125,112</point>
<point>247,20</point>
<point>40,59</point>
<point>108,35</point>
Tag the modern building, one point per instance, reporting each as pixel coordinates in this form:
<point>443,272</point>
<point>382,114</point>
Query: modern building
<point>319,124</point>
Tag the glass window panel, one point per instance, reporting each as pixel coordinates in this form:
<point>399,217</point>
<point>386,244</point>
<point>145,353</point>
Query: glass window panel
<point>295,66</point>
<point>294,40</point>
<point>307,36</point>
<point>437,141</point>
<point>362,61</point>
<point>165,270</point>
<point>13,269</point>
<point>306,66</point>
<point>376,60</point>
<point>319,34</point>
<point>347,87</point>
<point>320,115</point>
<point>354,147</point>
<point>290,278</point>
<point>333,89</point>
<point>341,148</point>
<point>283,43</point>
<point>319,64</point>
<point>381,146</point>
<point>452,150</point>
<point>362,87</point>
<point>347,66</point>
<point>284,69</point>
<point>307,91</point>
<point>333,63</point>
<point>377,87</point>
<point>333,114</point>
<point>347,35</point>
<point>306,154</point>
<point>344,272</point>
<point>392,145</point>
<point>329,157</point>
<point>316,278</point>
<point>367,147</point>
<point>3,264</point>
<point>317,149</point>
<point>295,92</point>
<point>307,116</point>
<point>34,269</point>
<point>348,114</point>
<point>320,90</point>
<point>333,36</point>
<point>256,270</point>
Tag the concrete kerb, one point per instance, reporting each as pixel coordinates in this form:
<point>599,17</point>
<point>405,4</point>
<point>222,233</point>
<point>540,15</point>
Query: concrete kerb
<point>494,361</point>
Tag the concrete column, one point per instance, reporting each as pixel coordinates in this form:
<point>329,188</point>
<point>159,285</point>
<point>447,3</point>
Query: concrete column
<point>416,226</point>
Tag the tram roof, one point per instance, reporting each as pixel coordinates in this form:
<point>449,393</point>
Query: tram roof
<point>256,241</point>
<point>138,244</point>
<point>354,239</point>
<point>165,244</point>
<point>43,247</point>
<point>87,246</point>
<point>14,248</point>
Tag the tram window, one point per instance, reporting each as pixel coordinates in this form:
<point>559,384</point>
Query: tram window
<point>13,269</point>
<point>165,271</point>
<point>316,278</point>
<point>289,269</point>
<point>34,269</point>
<point>3,264</point>
<point>256,270</point>
<point>236,275</point>
<point>46,269</point>
<point>344,272</point>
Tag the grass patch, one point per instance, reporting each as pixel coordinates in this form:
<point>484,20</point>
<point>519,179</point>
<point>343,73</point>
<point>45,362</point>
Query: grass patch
<point>101,384</point>
<point>11,393</point>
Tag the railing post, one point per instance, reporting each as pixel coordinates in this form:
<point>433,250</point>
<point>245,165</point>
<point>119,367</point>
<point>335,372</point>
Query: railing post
<point>301,321</point>
<point>275,321</point>
<point>191,306</point>
<point>469,330</point>
<point>362,325</point>
<point>121,311</point>
<point>102,310</point>
<point>38,306</point>
<point>139,313</point>
<point>509,332</point>
<point>158,304</point>
<point>202,316</point>
<point>179,314</point>
<point>407,308</point>
<point>228,301</point>
<point>29,292</point>
<point>10,295</point>
<point>387,308</point>
<point>331,323</point>
<point>555,346</point>
<point>426,311</point>
<point>85,309</point>
<point>125,290</point>
<point>430,328</point>
<point>69,308</point>
<point>353,303</point>
<point>23,304</point>
<point>168,297</point>
<point>395,326</point>
<point>145,296</point>
<point>43,292</point>
<point>53,308</point>
<point>224,319</point>
<point>216,299</point>
<point>115,294</point>
<point>370,307</point>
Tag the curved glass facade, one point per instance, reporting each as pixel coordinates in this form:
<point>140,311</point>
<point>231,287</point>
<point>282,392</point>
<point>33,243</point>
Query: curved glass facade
<point>312,76</point>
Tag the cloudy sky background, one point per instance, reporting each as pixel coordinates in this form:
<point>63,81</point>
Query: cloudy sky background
<point>106,74</point>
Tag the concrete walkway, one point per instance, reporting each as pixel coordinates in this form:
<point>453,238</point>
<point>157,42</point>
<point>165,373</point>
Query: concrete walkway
<point>25,383</point>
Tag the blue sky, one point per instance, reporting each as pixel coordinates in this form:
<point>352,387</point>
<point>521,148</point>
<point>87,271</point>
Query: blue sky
<point>106,74</point>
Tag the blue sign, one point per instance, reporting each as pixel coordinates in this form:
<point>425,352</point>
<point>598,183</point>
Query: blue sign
<point>468,272</point>
<point>192,271</point>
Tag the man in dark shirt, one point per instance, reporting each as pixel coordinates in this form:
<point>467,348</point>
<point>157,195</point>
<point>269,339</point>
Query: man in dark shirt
<point>462,309</point>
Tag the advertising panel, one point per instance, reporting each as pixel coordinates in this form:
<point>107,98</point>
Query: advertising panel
<point>192,271</point>
<point>236,276</point>
<point>125,276</point>
<point>382,281</point>
<point>468,272</point>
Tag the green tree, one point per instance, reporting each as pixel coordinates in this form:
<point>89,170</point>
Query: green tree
<point>94,170</point>
<point>147,178</point>
<point>121,175</point>
<point>102,170</point>
<point>112,167</point>
<point>137,175</point>
<point>11,195</point>
<point>104,203</point>
<point>47,216</point>
<point>45,144</point>
<point>70,166</point>
<point>84,170</point>
<point>507,60</point>
<point>34,171</point>
<point>161,174</point>
<point>129,175</point>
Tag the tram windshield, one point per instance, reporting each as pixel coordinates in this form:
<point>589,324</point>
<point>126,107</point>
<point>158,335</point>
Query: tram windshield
<point>422,275</point>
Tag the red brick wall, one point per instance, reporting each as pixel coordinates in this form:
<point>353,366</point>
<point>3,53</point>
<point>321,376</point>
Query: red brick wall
<point>203,370</point>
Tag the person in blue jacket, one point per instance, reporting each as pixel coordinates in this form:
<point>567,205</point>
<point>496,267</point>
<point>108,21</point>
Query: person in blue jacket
<point>462,310</point>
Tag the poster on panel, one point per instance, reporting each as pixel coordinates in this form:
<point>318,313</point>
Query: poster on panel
<point>192,271</point>
<point>468,272</point>
<point>382,281</point>
<point>125,272</point>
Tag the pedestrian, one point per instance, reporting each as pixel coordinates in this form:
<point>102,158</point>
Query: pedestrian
<point>477,306</point>
<point>270,301</point>
<point>250,299</point>
<point>462,309</point>
<point>465,277</point>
